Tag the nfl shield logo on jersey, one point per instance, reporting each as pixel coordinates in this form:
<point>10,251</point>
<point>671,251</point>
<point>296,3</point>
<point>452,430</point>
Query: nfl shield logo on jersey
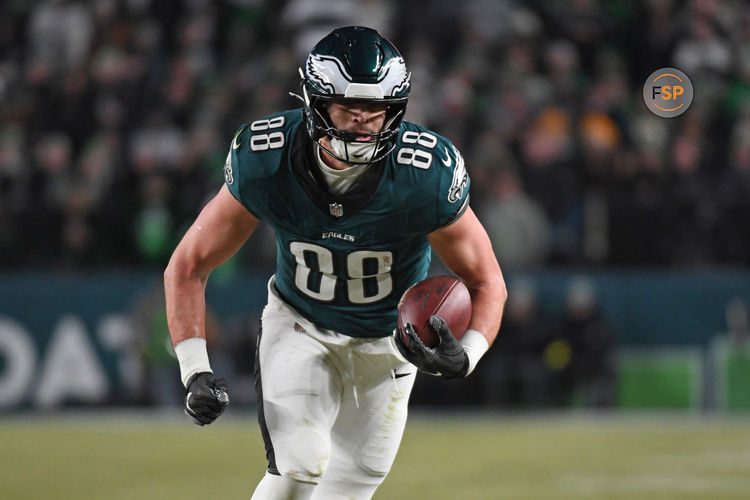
<point>336,209</point>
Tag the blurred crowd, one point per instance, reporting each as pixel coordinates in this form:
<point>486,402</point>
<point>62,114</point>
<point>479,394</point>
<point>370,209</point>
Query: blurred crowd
<point>116,115</point>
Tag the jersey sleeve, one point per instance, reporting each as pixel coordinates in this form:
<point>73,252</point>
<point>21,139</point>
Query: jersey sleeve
<point>255,155</point>
<point>453,191</point>
<point>238,168</point>
<point>230,166</point>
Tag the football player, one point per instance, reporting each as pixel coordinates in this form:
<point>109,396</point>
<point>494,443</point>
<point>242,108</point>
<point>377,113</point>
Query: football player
<point>357,199</point>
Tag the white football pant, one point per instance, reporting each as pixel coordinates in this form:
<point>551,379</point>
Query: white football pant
<point>332,408</point>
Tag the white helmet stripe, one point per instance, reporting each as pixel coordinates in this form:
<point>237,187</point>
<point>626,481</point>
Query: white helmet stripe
<point>364,91</point>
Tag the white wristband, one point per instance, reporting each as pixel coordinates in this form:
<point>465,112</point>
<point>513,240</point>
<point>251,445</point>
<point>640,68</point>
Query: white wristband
<point>475,345</point>
<point>193,358</point>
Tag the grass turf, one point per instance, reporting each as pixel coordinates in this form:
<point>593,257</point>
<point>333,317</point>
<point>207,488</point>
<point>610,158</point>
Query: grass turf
<point>450,456</point>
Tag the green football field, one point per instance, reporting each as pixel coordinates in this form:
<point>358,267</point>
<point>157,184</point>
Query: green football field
<point>545,456</point>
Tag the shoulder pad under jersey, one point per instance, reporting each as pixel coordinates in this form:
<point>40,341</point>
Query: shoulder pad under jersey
<point>258,149</point>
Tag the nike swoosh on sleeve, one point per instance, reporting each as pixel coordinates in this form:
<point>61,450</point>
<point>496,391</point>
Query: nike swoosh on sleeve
<point>447,161</point>
<point>235,144</point>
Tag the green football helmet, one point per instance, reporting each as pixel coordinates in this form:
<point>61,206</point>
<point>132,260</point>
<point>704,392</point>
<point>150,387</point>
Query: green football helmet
<point>355,64</point>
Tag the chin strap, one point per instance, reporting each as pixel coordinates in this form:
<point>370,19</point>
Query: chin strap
<point>355,152</point>
<point>382,150</point>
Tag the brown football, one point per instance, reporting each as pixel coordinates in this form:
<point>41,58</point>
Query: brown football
<point>445,296</point>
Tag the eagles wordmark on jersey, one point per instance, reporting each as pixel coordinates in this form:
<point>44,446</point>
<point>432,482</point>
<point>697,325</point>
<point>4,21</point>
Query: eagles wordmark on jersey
<point>345,260</point>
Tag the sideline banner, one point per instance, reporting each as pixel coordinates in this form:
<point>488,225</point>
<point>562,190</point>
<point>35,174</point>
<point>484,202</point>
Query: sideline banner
<point>73,339</point>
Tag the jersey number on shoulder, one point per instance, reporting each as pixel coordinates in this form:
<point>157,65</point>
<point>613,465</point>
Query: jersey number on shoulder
<point>270,140</point>
<point>369,277</point>
<point>416,157</point>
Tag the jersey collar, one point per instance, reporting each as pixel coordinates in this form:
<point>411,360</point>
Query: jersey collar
<point>310,178</point>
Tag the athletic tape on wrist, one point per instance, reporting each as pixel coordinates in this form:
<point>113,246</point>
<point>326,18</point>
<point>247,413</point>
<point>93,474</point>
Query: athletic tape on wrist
<point>193,358</point>
<point>475,345</point>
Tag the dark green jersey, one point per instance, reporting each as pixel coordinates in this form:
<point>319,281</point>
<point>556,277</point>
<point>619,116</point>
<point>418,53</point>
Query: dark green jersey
<point>343,261</point>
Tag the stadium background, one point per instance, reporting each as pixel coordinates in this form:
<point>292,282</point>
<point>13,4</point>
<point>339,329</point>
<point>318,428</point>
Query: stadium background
<point>624,237</point>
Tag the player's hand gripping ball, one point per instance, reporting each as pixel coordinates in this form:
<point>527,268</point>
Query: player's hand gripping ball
<point>432,316</point>
<point>444,296</point>
<point>206,398</point>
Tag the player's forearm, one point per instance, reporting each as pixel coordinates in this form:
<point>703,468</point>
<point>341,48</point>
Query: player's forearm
<point>488,302</point>
<point>184,288</point>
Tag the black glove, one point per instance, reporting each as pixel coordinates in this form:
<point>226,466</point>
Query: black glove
<point>448,359</point>
<point>206,397</point>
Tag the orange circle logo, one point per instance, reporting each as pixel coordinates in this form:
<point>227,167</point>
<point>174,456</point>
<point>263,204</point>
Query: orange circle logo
<point>668,92</point>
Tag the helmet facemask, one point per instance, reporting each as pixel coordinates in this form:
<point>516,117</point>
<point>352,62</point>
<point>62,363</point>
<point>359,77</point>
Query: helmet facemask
<point>354,147</point>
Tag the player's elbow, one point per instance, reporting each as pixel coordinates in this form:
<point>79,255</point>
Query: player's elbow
<point>498,287</point>
<point>491,286</point>
<point>501,287</point>
<point>183,268</point>
<point>173,273</point>
<point>493,283</point>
